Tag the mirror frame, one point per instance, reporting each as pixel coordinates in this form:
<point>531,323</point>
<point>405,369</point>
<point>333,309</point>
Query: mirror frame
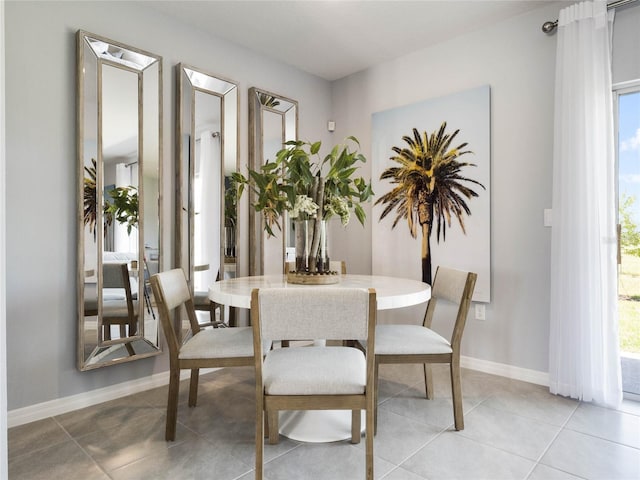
<point>94,52</point>
<point>191,80</point>
<point>288,110</point>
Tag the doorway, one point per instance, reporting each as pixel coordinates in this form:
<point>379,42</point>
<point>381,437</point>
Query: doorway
<point>627,100</point>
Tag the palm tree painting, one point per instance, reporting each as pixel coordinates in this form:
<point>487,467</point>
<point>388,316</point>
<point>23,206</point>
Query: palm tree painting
<point>428,186</point>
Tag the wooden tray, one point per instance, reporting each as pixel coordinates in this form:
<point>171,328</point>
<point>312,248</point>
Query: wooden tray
<point>313,278</point>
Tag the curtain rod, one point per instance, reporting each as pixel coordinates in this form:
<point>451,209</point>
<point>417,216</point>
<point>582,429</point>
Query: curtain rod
<point>550,27</point>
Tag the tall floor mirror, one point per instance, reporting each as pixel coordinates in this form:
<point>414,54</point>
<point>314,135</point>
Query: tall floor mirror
<point>273,120</point>
<point>207,153</point>
<point>119,149</point>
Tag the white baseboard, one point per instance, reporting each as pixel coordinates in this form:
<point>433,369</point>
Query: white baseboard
<point>504,370</point>
<point>59,406</point>
<point>39,411</point>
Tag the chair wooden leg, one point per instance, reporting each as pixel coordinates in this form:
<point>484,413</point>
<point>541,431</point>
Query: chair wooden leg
<point>428,381</point>
<point>274,428</point>
<point>375,398</point>
<point>356,426</point>
<point>172,404</point>
<point>456,391</point>
<point>193,387</point>
<point>369,432</point>
<point>260,421</point>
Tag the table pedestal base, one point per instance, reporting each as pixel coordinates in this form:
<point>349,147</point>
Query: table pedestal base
<point>317,426</point>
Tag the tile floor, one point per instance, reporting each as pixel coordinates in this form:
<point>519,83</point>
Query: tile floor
<point>513,430</point>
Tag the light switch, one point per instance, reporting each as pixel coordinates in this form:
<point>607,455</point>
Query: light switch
<point>548,217</point>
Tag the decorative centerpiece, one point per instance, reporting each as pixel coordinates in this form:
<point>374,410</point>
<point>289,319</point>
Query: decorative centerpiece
<point>311,192</point>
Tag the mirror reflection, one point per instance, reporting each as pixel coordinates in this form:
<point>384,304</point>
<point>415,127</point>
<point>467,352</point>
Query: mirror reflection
<point>273,120</point>
<point>207,148</point>
<point>119,138</point>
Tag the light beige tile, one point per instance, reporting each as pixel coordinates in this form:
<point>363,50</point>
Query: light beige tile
<point>608,424</point>
<point>452,456</point>
<point>533,401</point>
<point>402,474</point>
<point>400,437</point>
<point>513,433</point>
<point>104,416</point>
<point>324,461</point>
<point>438,411</point>
<point>64,460</point>
<point>190,460</point>
<point>542,472</point>
<point>591,457</point>
<point>34,436</point>
<point>131,441</point>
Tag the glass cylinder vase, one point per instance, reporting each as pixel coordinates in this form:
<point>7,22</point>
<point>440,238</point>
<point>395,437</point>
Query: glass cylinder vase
<point>303,244</point>
<point>322,261</point>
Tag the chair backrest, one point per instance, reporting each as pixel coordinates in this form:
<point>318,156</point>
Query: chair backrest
<point>313,312</point>
<point>334,266</point>
<point>116,275</point>
<point>454,286</point>
<point>171,290</point>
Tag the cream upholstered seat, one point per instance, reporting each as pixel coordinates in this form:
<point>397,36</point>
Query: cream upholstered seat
<point>420,344</point>
<point>313,378</point>
<point>207,348</point>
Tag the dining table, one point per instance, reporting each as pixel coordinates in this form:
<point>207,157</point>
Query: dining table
<point>391,293</point>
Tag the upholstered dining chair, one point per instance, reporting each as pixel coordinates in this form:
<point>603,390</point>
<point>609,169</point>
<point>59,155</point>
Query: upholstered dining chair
<point>313,378</point>
<point>118,305</point>
<point>420,344</point>
<point>206,348</point>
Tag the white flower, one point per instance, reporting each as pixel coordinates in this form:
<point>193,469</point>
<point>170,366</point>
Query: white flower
<point>304,204</point>
<point>338,206</point>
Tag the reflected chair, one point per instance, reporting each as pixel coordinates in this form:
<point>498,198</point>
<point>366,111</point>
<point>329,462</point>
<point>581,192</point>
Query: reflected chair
<point>207,348</point>
<point>420,344</point>
<point>313,378</point>
<point>118,305</point>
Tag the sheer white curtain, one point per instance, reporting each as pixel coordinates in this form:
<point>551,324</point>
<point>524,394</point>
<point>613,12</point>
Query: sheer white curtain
<point>207,206</point>
<point>584,358</point>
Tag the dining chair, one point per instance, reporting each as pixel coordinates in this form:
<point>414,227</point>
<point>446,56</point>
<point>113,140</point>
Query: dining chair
<point>334,265</point>
<point>420,344</point>
<point>206,348</point>
<point>118,305</point>
<point>313,378</point>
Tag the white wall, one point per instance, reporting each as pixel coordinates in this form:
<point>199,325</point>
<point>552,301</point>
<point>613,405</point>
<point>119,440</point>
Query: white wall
<point>626,44</point>
<point>517,60</point>
<point>41,170</point>
<point>3,310</point>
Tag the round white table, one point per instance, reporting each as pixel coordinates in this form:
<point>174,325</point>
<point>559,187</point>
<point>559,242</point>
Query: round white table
<point>391,292</point>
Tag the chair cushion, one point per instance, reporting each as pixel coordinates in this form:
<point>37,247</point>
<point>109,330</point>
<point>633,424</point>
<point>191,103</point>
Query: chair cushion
<point>409,340</point>
<point>219,343</point>
<point>314,371</point>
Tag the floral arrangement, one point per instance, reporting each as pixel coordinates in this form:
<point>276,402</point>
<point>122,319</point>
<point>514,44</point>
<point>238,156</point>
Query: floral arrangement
<point>294,183</point>
<point>309,187</point>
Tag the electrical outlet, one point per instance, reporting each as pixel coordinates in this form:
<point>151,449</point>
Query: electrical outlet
<point>480,312</point>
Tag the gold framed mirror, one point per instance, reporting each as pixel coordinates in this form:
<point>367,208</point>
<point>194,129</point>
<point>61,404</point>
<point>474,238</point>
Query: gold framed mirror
<point>273,120</point>
<point>207,155</point>
<point>119,149</point>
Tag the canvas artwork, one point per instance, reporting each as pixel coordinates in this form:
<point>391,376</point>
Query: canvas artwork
<point>433,213</point>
